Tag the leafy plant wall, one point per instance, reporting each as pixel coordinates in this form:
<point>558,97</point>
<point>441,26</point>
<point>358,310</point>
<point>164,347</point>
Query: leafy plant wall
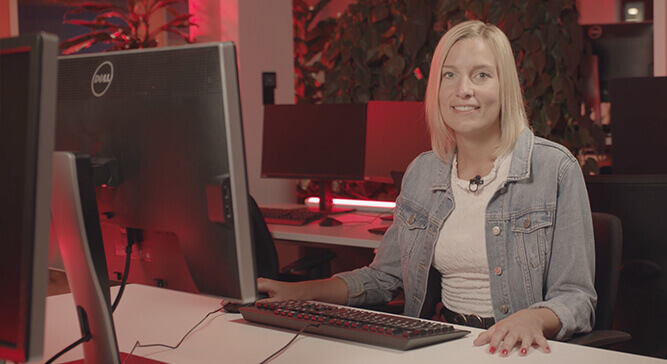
<point>381,50</point>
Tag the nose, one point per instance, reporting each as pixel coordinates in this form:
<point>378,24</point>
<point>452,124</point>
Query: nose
<point>464,88</point>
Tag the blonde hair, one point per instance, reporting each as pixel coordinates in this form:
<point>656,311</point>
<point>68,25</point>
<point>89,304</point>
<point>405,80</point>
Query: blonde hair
<point>512,110</point>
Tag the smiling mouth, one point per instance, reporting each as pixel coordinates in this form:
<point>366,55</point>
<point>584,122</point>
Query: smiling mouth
<point>465,108</point>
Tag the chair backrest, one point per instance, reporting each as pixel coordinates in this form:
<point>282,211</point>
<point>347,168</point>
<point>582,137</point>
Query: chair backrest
<point>608,247</point>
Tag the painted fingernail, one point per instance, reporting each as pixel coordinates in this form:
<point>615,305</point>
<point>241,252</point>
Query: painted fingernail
<point>523,351</point>
<point>548,349</point>
<point>492,350</point>
<point>504,352</point>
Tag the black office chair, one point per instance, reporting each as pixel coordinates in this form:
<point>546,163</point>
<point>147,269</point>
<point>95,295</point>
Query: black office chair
<point>312,266</point>
<point>608,247</point>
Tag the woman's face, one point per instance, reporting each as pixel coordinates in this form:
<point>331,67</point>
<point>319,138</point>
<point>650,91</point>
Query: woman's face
<point>470,90</point>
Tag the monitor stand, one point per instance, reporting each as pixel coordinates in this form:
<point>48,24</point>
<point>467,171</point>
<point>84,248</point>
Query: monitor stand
<point>326,200</point>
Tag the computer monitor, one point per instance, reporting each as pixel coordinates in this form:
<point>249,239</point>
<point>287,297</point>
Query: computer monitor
<point>396,133</point>
<point>622,50</point>
<point>322,142</point>
<point>27,106</point>
<point>166,123</point>
<point>638,133</point>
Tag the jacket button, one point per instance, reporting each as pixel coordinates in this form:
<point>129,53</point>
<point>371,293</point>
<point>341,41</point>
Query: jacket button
<point>495,230</point>
<point>504,309</point>
<point>497,271</point>
<point>503,190</point>
<point>526,224</point>
<point>412,219</point>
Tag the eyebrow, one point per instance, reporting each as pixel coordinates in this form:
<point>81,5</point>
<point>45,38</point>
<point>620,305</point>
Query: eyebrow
<point>484,66</point>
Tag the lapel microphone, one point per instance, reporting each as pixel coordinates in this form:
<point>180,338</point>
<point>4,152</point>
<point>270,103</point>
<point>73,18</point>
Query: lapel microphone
<point>475,183</point>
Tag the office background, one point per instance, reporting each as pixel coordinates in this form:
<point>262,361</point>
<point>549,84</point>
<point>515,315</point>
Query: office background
<point>263,32</point>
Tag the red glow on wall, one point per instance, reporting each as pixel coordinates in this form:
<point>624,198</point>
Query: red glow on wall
<point>344,202</point>
<point>215,20</point>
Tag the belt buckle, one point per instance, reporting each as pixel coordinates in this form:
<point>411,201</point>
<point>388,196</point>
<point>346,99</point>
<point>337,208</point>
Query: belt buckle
<point>460,319</point>
<point>478,318</point>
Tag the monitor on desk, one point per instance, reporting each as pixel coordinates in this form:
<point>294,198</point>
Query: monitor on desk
<point>322,142</point>
<point>638,133</point>
<point>27,106</point>
<point>165,124</point>
<point>396,133</point>
<point>622,50</point>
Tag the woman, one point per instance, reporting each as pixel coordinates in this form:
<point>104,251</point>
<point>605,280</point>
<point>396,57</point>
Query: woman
<point>494,220</point>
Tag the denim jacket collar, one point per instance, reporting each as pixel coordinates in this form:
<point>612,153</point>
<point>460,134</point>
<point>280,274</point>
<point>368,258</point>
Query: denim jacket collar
<point>521,156</point>
<point>519,167</point>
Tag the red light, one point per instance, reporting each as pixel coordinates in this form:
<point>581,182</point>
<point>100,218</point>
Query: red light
<point>355,203</point>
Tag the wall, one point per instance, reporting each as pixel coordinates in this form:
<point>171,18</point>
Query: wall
<point>262,31</point>
<point>9,25</point>
<point>660,37</point>
<point>598,11</point>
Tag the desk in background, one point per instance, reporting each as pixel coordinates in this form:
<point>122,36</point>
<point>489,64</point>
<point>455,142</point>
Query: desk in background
<point>353,232</point>
<point>158,315</point>
<point>351,241</point>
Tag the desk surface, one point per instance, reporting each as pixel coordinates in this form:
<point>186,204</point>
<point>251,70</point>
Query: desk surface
<point>353,231</point>
<point>157,315</point>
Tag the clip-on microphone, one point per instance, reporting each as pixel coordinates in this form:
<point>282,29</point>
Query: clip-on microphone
<point>477,182</point>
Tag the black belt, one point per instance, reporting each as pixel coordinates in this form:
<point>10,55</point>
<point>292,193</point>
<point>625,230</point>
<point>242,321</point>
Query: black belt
<point>466,320</point>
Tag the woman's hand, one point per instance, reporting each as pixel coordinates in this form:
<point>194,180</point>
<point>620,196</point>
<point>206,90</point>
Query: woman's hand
<point>279,291</point>
<point>332,290</point>
<point>529,326</point>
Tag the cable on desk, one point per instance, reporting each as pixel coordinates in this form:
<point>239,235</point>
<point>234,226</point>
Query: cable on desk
<point>288,344</point>
<point>137,344</point>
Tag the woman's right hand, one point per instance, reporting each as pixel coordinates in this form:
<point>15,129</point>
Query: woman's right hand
<point>280,291</point>
<point>331,290</point>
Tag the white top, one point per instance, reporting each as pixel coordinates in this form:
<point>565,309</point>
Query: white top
<point>460,252</point>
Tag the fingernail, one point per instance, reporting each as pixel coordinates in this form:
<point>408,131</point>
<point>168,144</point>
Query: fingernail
<point>492,350</point>
<point>523,351</point>
<point>504,352</point>
<point>548,349</point>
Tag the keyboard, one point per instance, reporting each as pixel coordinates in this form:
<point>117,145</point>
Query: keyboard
<point>354,324</point>
<point>289,216</point>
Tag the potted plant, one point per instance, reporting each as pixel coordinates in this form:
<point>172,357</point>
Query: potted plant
<point>127,27</point>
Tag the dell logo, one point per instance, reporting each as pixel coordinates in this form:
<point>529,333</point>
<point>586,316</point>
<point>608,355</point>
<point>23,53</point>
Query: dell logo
<point>102,79</point>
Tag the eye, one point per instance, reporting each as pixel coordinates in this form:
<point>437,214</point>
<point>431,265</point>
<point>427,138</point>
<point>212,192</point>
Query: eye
<point>483,75</point>
<point>448,74</point>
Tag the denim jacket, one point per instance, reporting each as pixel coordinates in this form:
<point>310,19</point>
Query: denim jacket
<point>539,239</point>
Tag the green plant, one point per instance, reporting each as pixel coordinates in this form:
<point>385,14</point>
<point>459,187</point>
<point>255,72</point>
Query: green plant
<point>381,50</point>
<point>124,28</point>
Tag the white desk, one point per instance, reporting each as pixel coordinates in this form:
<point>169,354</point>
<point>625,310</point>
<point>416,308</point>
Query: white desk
<point>157,315</point>
<point>353,231</point>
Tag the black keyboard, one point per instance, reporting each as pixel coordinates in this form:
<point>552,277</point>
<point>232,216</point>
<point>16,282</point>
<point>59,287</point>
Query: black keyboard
<point>289,216</point>
<point>354,324</point>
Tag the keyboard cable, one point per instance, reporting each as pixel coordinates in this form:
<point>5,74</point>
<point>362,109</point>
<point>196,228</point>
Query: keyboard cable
<point>280,351</point>
<point>137,344</point>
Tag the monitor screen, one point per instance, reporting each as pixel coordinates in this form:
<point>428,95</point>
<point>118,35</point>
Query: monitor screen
<point>622,50</point>
<point>638,133</point>
<point>27,101</point>
<point>169,120</point>
<point>314,141</point>
<point>396,133</point>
